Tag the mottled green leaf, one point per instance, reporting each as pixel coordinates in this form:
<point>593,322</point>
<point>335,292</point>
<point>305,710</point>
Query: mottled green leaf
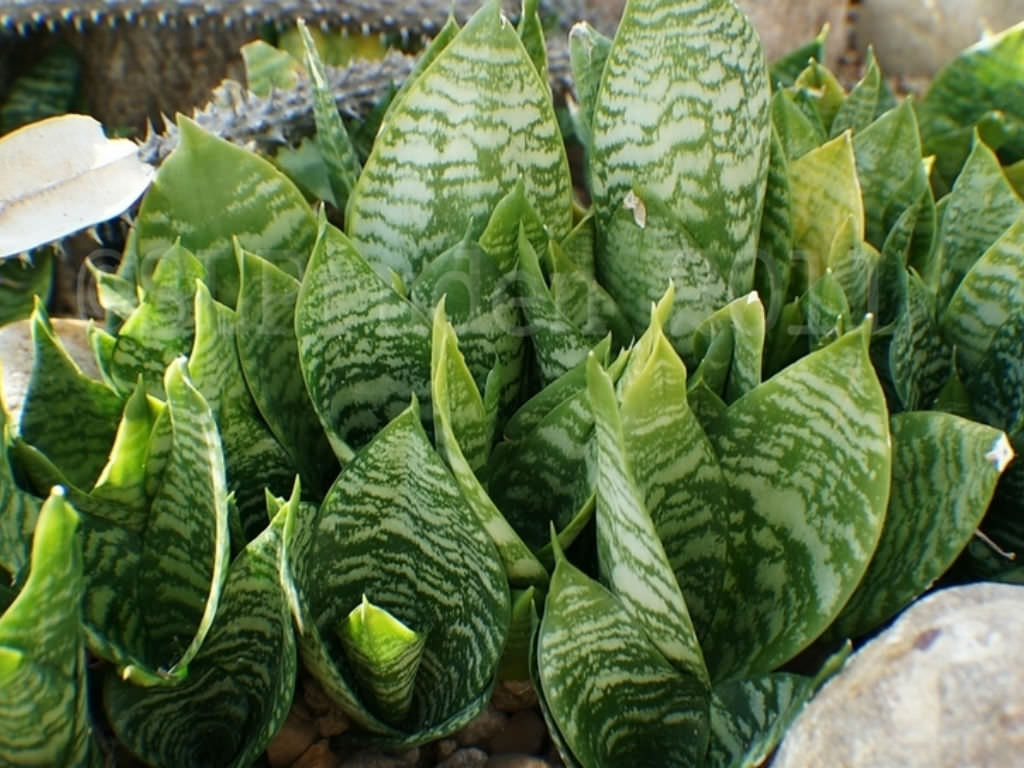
<point>478,118</point>
<point>18,510</point>
<point>209,192</point>
<point>808,457</point>
<point>683,112</point>
<point>174,553</point>
<point>268,68</point>
<point>869,98</point>
<point>61,402</point>
<point>588,52</point>
<point>269,354</point>
<point>825,310</point>
<point>362,347</point>
<point>797,132</point>
<point>919,359</point>
<point>818,92</point>
<point>613,697</point>
<point>463,433</point>
<point>240,684</point>
<point>395,528</point>
<point>775,244</point>
<point>21,281</point>
<point>786,69</point>
<point>43,711</point>
<point>253,459</point>
<point>162,327</point>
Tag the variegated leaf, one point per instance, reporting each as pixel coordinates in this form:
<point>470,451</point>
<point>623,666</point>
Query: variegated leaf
<point>162,327</point>
<point>743,320</point>
<point>869,98</point>
<point>797,132</point>
<point>22,280</point>
<point>919,360</point>
<point>613,697</point>
<point>581,299</point>
<point>500,237</point>
<point>588,52</point>
<point>395,528</point>
<point>683,112</point>
<point>631,559</point>
<point>269,354</point>
<point>240,684</point>
<point>775,243</point>
<point>478,118</point>
<point>808,457</point>
<point>852,262</point>
<point>60,398</point>
<point>254,461</point>
<point>819,94</point>
<point>944,472</point>
<point>826,192</point>
<point>43,710</point>
<point>363,348</point>
<point>209,192</point>
<point>977,213</point>
<point>18,512</point>
<point>646,247</point>
<point>122,483</point>
<point>826,311</point>
<point>175,552</point>
<point>785,70</point>
<point>675,469</point>
<point>463,432</point>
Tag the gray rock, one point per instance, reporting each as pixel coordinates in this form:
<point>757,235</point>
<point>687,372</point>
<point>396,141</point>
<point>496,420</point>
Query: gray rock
<point>471,757</point>
<point>943,687</point>
<point>523,733</point>
<point>517,761</point>
<point>915,38</point>
<point>478,731</point>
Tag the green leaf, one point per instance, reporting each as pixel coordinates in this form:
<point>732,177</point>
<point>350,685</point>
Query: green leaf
<point>647,247</point>
<point>919,359</point>
<point>43,712</point>
<point>826,192</point>
<point>531,32</point>
<point>775,244</point>
<point>385,656</point>
<point>631,558</point>
<point>362,347</point>
<point>478,118</point>
<point>239,687</point>
<point>819,93</point>
<point>743,320</point>
<point>253,458</point>
<point>785,70</point>
<point>269,69</point>
<point>869,98</point>
<point>463,432</point>
<point>268,351</point>
<point>395,528</point>
<point>826,311</point>
<point>797,132</point>
<point>21,281</point>
<point>652,715</point>
<point>162,327</point>
<point>588,52</point>
<point>61,401</point>
<point>989,294</point>
<point>581,299</point>
<point>944,472</point>
<point>515,661</point>
<point>174,553</point>
<point>978,212</point>
<point>209,192</point>
<point>122,483</point>
<point>683,112</point>
<point>808,457</point>
<point>997,385</point>
<point>332,138</point>
<point>18,511</point>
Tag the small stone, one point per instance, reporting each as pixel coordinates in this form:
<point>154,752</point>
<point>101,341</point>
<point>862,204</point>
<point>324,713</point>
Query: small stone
<point>481,728</point>
<point>940,688</point>
<point>516,761</point>
<point>524,733</point>
<point>444,748</point>
<point>332,723</point>
<point>373,758</point>
<point>514,696</point>
<point>470,757</point>
<point>317,756</point>
<point>292,740</point>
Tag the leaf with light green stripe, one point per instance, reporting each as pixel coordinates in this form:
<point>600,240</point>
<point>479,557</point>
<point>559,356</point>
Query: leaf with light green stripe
<point>21,280</point>
<point>798,134</point>
<point>652,247</point>
<point>826,193</point>
<point>852,262</point>
<point>785,70</point>
<point>819,94</point>
<point>919,359</point>
<point>239,687</point>
<point>463,432</point>
<point>269,354</point>
<point>674,467</point>
<point>743,320</point>
<point>775,243</point>
<point>944,472</point>
<point>363,348</point>
<point>997,385</point>
<point>588,52</point>
<point>990,292</point>
<point>478,118</point>
<point>808,457</point>
<point>60,398</point>
<point>331,136</point>
<point>162,327</point>
<point>869,98</point>
<point>395,528</point>
<point>384,656</point>
<point>43,711</point>
<point>631,558</point>
<point>18,511</point>
<point>979,210</point>
<point>581,299</point>
<point>825,310</point>
<point>500,237</point>
<point>749,717</point>
<point>122,483</point>
<point>209,192</point>
<point>614,698</point>
<point>683,111</point>
<point>173,554</point>
<point>253,458</point>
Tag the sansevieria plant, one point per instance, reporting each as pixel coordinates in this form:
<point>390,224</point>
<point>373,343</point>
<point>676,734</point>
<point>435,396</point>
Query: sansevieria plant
<point>452,426</point>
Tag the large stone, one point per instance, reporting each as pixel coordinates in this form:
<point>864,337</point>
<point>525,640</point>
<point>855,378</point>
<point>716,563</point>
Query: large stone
<point>915,38</point>
<point>943,687</point>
